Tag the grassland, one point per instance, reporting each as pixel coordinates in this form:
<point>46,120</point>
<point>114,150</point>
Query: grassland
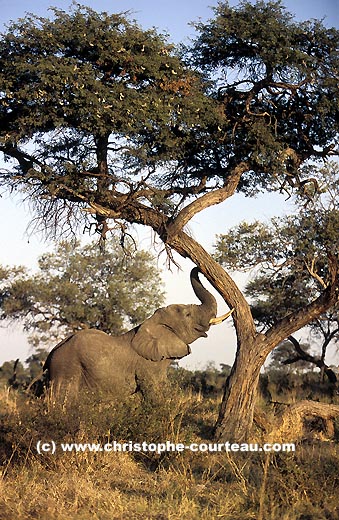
<point>111,486</point>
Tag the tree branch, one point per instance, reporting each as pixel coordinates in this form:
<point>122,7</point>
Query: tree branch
<point>314,274</point>
<point>305,356</point>
<point>290,423</point>
<point>25,160</point>
<point>209,199</point>
<point>296,321</point>
<point>187,247</point>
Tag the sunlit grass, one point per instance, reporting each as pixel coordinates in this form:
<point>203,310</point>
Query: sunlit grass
<point>109,486</point>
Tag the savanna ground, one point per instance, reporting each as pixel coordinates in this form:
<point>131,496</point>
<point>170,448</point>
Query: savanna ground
<point>234,486</point>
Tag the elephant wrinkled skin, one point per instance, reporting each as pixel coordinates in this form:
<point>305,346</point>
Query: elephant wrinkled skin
<point>135,361</point>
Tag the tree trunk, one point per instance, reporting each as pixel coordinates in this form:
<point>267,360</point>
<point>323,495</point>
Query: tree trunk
<point>235,419</point>
<point>289,425</point>
<point>237,409</point>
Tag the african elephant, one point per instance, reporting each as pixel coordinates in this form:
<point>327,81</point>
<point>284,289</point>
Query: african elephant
<point>134,361</point>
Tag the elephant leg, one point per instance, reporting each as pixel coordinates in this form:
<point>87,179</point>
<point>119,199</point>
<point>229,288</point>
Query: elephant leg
<point>153,383</point>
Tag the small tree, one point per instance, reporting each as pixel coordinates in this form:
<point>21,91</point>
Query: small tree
<point>13,373</point>
<point>77,287</point>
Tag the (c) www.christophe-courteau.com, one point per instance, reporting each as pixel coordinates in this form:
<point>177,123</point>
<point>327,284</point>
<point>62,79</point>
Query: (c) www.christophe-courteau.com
<point>160,447</point>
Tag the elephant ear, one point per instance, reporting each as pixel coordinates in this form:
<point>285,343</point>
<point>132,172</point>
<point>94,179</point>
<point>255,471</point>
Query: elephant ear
<point>156,342</point>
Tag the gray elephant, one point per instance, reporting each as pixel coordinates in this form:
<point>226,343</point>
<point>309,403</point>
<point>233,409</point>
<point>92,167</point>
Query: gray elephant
<point>135,361</point>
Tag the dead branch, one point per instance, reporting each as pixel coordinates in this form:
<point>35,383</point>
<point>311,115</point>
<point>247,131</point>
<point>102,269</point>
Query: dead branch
<point>290,423</point>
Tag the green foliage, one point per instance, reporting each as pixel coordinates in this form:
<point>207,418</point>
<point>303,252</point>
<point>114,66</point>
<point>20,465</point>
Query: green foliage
<point>35,363</point>
<point>246,246</point>
<point>276,84</point>
<point>293,269</point>
<point>13,372</point>
<point>84,85</point>
<point>82,286</point>
<point>96,110</point>
<point>279,386</point>
<point>294,257</point>
<point>295,266</point>
<point>86,70</point>
<point>209,381</point>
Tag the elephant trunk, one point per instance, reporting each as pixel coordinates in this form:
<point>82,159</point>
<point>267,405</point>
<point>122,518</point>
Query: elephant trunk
<point>208,301</point>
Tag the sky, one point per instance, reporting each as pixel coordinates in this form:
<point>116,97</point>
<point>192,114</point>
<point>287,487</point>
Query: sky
<point>19,246</point>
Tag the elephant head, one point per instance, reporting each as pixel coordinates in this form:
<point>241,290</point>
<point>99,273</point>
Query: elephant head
<point>168,333</point>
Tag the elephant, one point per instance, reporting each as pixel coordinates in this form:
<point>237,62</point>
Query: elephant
<point>136,361</point>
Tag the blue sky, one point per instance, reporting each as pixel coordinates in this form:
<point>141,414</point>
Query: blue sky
<point>172,17</point>
<point>19,247</point>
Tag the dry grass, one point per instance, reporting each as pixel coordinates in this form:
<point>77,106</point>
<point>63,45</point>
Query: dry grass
<point>112,486</point>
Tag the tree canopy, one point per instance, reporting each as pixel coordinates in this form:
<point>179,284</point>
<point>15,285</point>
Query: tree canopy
<point>79,287</point>
<point>95,111</point>
<point>98,100</point>
<point>294,256</point>
<point>276,82</point>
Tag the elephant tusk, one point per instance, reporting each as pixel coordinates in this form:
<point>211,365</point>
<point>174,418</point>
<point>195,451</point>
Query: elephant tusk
<point>220,319</point>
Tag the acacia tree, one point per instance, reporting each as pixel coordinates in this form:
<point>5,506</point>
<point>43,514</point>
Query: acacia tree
<point>77,287</point>
<point>100,115</point>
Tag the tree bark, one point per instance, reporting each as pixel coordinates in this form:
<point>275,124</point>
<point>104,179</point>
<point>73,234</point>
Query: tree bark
<point>236,412</point>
